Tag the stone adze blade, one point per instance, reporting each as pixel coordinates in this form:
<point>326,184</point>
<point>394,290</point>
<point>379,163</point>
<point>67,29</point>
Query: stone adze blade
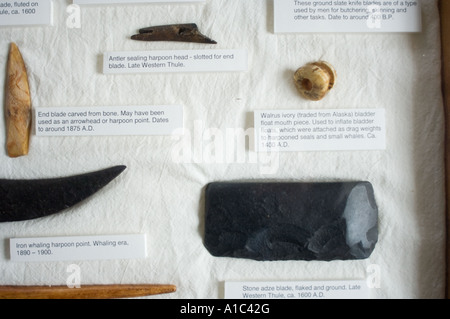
<point>30,199</point>
<point>269,221</point>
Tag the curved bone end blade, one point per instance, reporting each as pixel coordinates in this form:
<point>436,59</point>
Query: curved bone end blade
<point>31,199</point>
<point>17,105</point>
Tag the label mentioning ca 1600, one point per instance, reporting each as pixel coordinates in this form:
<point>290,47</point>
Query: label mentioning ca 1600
<point>130,1</point>
<point>347,289</point>
<point>19,13</point>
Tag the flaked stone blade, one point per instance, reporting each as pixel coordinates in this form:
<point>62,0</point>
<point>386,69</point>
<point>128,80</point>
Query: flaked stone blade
<point>291,221</point>
<point>29,199</point>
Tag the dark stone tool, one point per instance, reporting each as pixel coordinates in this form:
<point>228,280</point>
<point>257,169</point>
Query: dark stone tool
<point>29,199</point>
<point>291,221</point>
<point>174,32</point>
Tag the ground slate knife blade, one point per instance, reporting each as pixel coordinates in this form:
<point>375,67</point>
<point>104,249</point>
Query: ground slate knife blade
<point>30,199</point>
<point>291,221</point>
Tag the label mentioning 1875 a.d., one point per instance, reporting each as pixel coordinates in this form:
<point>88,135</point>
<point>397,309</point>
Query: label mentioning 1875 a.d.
<point>108,120</point>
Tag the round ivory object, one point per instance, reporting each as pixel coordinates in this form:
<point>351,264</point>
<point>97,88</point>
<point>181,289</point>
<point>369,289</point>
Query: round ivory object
<point>314,80</point>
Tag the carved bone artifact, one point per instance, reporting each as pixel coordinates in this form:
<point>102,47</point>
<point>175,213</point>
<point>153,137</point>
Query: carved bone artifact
<point>314,80</point>
<point>84,292</point>
<point>173,32</point>
<point>17,105</point>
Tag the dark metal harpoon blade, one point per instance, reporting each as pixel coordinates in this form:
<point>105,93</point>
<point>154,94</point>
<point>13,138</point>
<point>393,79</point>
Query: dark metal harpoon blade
<point>30,199</point>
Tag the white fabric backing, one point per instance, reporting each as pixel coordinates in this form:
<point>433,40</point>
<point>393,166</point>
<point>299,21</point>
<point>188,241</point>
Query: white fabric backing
<point>162,197</point>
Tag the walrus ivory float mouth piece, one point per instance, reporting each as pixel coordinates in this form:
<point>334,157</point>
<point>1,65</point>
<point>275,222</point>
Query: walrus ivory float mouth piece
<point>173,32</point>
<point>314,80</point>
<point>30,199</point>
<point>17,105</point>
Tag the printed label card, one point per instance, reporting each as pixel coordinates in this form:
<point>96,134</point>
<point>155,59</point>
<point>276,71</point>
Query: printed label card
<point>324,130</point>
<point>130,1</point>
<point>175,61</point>
<point>108,120</point>
<point>22,13</point>
<point>357,16</point>
<point>131,246</point>
<point>345,289</point>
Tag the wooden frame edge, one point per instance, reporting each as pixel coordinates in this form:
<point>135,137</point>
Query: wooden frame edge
<point>444,10</point>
